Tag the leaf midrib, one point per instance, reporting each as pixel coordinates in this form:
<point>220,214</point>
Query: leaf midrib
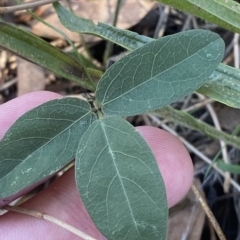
<point>118,174</point>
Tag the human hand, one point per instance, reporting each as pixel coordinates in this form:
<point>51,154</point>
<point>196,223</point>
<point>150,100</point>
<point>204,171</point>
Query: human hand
<point>61,198</point>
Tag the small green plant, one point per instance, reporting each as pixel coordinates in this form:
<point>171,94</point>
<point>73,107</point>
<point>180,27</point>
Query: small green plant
<point>116,173</point>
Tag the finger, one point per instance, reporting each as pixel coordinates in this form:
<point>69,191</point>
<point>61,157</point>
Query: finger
<point>51,200</point>
<point>173,160</point>
<point>61,199</point>
<point>12,110</point>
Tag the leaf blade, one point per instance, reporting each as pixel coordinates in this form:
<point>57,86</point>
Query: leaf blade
<point>121,37</point>
<point>223,85</point>
<point>227,167</point>
<point>39,144</point>
<point>221,12</point>
<point>117,176</point>
<point>187,120</point>
<point>145,80</point>
<point>38,51</point>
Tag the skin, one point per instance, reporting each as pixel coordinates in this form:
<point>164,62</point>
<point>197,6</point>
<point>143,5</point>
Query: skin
<point>61,198</point>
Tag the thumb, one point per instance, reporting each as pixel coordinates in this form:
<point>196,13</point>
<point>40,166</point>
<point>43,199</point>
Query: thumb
<point>173,160</point>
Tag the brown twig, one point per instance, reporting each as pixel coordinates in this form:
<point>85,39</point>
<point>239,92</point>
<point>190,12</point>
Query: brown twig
<point>209,213</point>
<point>25,6</point>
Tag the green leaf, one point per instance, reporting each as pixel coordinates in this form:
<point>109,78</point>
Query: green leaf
<point>120,183</point>
<point>224,13</point>
<point>189,121</point>
<point>40,143</point>
<point>226,167</point>
<point>38,51</point>
<point>223,85</point>
<point>221,12</point>
<point>159,73</point>
<point>77,24</point>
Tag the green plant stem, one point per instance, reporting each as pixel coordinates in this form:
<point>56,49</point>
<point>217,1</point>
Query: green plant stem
<point>95,73</point>
<point>79,58</point>
<point>187,120</point>
<point>109,46</point>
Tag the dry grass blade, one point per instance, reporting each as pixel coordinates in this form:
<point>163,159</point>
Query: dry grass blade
<point>162,21</point>
<point>209,213</point>
<point>193,149</point>
<point>227,177</point>
<point>189,121</point>
<point>49,218</point>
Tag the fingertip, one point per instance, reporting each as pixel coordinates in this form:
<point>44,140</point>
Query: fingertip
<point>173,160</point>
